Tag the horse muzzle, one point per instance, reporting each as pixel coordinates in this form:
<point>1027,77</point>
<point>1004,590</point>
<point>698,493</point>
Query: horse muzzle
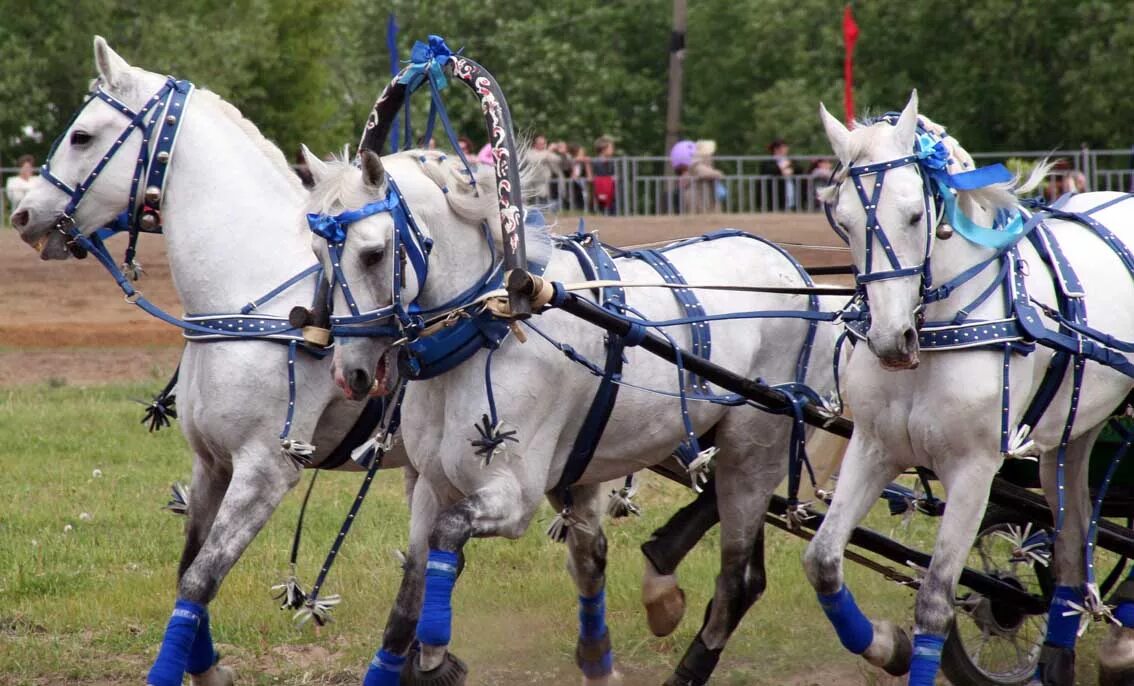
<point>359,383</point>
<point>896,353</point>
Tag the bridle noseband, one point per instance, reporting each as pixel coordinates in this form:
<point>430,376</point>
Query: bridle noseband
<point>159,120</point>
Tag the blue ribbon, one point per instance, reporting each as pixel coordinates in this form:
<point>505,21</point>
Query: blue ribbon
<point>933,157</point>
<point>427,61</point>
<point>327,227</point>
<point>333,228</point>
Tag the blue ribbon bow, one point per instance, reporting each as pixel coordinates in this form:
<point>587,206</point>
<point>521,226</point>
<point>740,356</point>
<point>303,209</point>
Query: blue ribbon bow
<point>427,61</point>
<point>933,157</point>
<point>327,227</point>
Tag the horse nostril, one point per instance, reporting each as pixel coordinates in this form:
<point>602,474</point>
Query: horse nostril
<point>359,381</point>
<point>909,341</point>
<point>20,219</point>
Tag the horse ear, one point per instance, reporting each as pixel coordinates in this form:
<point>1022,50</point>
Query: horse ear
<point>907,123</point>
<point>837,134</point>
<point>372,172</point>
<point>316,166</point>
<point>111,67</point>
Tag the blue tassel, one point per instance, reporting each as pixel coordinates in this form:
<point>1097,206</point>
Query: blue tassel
<point>855,631</point>
<point>180,633</point>
<point>926,659</point>
<point>434,626</point>
<point>1063,617</point>
<point>385,669</point>
<point>202,656</point>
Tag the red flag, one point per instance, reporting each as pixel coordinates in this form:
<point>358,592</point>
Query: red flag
<point>850,37</point>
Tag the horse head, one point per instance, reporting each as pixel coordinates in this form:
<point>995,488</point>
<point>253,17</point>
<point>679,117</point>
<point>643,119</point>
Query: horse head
<point>93,160</point>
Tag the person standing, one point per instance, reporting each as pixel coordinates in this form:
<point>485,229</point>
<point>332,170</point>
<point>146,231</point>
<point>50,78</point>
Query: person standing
<point>602,166</point>
<point>18,186</point>
<point>705,179</point>
<point>780,166</point>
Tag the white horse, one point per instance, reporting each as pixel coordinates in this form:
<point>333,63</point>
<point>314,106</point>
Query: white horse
<point>943,410</point>
<point>229,212</point>
<point>543,397</point>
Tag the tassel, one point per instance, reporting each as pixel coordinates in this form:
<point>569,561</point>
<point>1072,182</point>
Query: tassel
<point>492,439</point>
<point>289,594</point>
<point>133,270</point>
<point>178,499</point>
<point>298,451</point>
<point>797,514</point>
<point>621,503</point>
<point>700,468</point>
<point>318,609</point>
<point>557,530</point>
<point>1020,446</point>
<point>159,411</point>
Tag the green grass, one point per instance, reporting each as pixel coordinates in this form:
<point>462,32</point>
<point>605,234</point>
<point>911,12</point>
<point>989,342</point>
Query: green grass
<point>88,604</point>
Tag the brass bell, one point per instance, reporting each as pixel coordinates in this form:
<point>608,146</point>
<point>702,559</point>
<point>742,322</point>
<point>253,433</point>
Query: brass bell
<point>171,120</point>
<point>163,157</point>
<point>944,231</point>
<point>149,221</point>
<point>152,196</point>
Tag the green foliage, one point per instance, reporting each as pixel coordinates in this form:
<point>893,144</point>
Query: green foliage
<point>1002,75</point>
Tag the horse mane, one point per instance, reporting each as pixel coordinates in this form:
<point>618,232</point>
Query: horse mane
<point>474,202</point>
<point>229,111</point>
<point>989,199</point>
<point>265,146</point>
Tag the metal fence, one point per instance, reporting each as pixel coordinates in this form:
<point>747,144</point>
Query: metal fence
<point>645,186</point>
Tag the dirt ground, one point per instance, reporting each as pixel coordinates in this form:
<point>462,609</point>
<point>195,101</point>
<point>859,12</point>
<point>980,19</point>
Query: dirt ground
<point>67,321</point>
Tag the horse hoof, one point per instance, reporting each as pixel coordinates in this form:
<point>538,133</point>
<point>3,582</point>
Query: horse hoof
<point>218,675</point>
<point>612,679</point>
<point>665,604</point>
<point>1116,677</point>
<point>1057,666</point>
<point>891,649</point>
<point>451,672</point>
<point>902,656</point>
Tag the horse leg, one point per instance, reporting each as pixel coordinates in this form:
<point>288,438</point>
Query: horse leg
<point>1057,659</point>
<point>865,472</point>
<point>967,482</point>
<point>1116,654</point>
<point>390,659</point>
<point>586,562</point>
<point>499,509</point>
<point>664,551</point>
<point>209,484</point>
<point>261,477</point>
<point>750,468</point>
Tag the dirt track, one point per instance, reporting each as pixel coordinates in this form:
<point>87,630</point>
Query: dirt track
<point>67,320</point>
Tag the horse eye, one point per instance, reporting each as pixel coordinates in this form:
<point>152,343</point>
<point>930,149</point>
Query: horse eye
<point>373,257</point>
<point>80,138</point>
<point>915,219</point>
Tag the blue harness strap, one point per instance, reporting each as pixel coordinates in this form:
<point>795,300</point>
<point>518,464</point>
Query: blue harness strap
<point>597,265</point>
<point>700,333</point>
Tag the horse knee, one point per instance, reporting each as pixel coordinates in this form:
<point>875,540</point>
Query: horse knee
<point>933,610</point>
<point>822,565</point>
<point>198,583</point>
<point>453,527</point>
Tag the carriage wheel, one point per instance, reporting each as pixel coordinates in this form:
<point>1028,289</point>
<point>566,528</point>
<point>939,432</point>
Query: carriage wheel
<point>993,643</point>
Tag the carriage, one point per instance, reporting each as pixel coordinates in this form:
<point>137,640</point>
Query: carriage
<point>1008,585</point>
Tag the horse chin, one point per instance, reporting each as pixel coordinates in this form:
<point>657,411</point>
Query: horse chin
<point>51,246</point>
<point>385,374</point>
<point>901,362</point>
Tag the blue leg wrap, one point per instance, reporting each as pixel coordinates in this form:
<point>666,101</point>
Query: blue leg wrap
<point>1063,628</point>
<point>593,637</point>
<point>926,659</point>
<point>434,626</point>
<point>1124,613</point>
<point>855,631</point>
<point>169,668</point>
<point>202,656</point>
<point>592,617</point>
<point>385,669</point>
